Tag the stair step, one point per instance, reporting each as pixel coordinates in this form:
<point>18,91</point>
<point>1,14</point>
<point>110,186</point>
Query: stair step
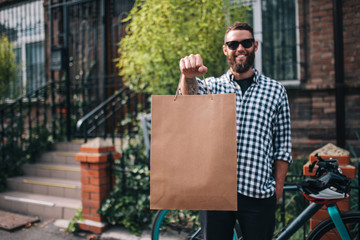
<point>73,146</point>
<point>59,157</point>
<point>46,186</point>
<point>39,205</point>
<point>59,171</point>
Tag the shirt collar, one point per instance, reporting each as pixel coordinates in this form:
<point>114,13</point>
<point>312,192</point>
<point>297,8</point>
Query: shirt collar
<point>230,76</point>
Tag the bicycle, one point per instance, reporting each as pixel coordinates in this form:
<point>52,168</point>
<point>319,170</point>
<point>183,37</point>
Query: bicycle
<point>339,225</point>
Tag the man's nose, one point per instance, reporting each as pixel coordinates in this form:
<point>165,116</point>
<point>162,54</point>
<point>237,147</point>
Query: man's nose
<point>240,47</point>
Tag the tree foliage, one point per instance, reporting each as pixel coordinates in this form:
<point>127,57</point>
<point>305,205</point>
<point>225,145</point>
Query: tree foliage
<point>8,66</point>
<point>161,32</point>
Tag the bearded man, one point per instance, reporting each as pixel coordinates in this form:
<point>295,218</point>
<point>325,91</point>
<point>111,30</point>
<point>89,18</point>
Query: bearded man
<point>263,135</point>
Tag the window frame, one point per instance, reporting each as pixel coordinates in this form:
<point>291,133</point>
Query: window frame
<point>257,25</point>
<point>26,36</point>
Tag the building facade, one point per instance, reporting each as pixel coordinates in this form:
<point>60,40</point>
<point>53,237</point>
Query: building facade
<point>311,46</point>
<point>325,107</point>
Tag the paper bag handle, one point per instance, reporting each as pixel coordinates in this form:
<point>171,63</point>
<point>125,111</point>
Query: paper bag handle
<point>182,78</point>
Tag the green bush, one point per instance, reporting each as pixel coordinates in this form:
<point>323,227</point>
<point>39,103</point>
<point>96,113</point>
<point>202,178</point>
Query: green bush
<point>161,32</point>
<point>8,66</point>
<point>128,205</point>
<point>73,226</point>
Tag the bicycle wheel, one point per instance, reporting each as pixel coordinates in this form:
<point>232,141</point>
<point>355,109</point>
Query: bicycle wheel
<point>178,225</point>
<point>326,229</point>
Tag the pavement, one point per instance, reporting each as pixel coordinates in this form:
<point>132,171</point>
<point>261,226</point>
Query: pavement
<point>55,229</point>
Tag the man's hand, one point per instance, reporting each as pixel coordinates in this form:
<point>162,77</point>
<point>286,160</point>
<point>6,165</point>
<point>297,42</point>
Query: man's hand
<point>192,66</point>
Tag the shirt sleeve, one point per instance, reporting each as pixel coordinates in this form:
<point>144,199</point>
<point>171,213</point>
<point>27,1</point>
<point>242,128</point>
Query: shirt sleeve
<point>202,87</point>
<point>282,131</point>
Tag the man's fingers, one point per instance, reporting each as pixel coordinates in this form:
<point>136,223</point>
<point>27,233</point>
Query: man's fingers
<point>192,65</point>
<point>182,64</point>
<point>203,69</point>
<point>198,60</point>
<point>192,62</point>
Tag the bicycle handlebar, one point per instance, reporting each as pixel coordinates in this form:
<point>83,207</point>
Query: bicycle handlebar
<point>325,165</point>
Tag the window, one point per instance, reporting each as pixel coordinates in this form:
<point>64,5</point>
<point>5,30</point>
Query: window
<point>276,28</point>
<point>23,24</point>
<point>35,65</point>
<point>121,7</point>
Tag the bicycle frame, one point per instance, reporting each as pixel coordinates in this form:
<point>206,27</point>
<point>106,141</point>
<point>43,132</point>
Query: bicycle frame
<point>163,214</point>
<point>299,221</point>
<point>307,214</point>
<point>339,224</point>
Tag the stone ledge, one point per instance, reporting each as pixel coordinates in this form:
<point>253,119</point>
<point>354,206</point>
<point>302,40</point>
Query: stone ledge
<point>331,151</point>
<point>92,226</point>
<point>348,170</point>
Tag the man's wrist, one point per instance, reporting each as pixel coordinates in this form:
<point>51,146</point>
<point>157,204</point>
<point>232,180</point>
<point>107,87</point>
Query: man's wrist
<point>190,79</point>
<point>190,85</point>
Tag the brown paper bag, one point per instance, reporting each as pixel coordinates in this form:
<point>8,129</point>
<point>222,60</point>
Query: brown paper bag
<point>193,152</point>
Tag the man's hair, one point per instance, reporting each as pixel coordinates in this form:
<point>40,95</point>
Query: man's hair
<point>239,26</point>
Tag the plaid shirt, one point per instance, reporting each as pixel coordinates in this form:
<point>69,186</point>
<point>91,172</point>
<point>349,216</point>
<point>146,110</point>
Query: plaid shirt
<point>263,130</point>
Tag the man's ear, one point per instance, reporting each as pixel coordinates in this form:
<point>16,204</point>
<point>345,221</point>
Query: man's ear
<point>256,45</point>
<point>224,50</point>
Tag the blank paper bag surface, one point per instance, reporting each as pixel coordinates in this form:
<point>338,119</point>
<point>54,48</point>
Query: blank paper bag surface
<point>193,152</point>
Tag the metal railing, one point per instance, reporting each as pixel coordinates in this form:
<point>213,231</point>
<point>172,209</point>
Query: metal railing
<point>45,109</point>
<point>114,117</point>
<point>22,119</point>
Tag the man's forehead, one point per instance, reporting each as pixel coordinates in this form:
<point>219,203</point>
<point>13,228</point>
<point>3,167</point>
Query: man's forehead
<point>238,34</point>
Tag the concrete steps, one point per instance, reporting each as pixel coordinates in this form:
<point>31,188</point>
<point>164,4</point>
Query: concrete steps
<point>39,205</point>
<point>49,188</point>
<point>46,170</point>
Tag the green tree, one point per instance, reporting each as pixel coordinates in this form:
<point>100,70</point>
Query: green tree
<point>161,32</point>
<point>8,66</point>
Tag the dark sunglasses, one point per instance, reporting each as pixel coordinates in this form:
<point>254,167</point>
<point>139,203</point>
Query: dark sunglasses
<point>246,43</point>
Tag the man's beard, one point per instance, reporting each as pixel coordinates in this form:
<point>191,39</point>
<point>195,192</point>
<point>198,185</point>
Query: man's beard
<point>244,66</point>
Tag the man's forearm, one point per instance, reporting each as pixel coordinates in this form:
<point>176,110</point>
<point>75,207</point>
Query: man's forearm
<point>189,86</point>
<point>281,168</point>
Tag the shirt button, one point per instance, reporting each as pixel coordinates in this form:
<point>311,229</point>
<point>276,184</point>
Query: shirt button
<point>239,122</point>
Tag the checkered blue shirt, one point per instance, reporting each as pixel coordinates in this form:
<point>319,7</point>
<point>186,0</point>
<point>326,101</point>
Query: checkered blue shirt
<point>263,130</point>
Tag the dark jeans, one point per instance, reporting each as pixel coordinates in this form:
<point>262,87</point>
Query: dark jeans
<point>256,219</point>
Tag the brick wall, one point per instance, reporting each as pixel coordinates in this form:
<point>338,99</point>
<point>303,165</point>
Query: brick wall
<point>313,104</point>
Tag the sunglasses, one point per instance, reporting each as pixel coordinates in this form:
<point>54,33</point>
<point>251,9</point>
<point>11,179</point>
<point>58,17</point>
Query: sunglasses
<point>246,43</point>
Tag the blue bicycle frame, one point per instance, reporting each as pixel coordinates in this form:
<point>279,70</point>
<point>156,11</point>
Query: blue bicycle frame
<point>308,213</point>
<point>160,219</point>
<point>339,224</point>
<point>292,227</point>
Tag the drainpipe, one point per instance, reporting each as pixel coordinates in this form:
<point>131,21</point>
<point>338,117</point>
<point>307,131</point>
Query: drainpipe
<point>339,73</point>
<point>67,71</point>
<point>104,47</point>
<point>104,56</point>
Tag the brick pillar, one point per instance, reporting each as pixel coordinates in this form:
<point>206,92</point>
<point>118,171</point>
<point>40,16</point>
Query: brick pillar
<point>95,181</point>
<point>343,156</point>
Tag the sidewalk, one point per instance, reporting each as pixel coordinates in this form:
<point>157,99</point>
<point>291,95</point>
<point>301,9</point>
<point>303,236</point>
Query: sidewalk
<point>54,229</point>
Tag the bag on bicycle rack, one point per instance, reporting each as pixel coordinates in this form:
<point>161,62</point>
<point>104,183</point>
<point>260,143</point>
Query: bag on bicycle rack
<point>193,152</point>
